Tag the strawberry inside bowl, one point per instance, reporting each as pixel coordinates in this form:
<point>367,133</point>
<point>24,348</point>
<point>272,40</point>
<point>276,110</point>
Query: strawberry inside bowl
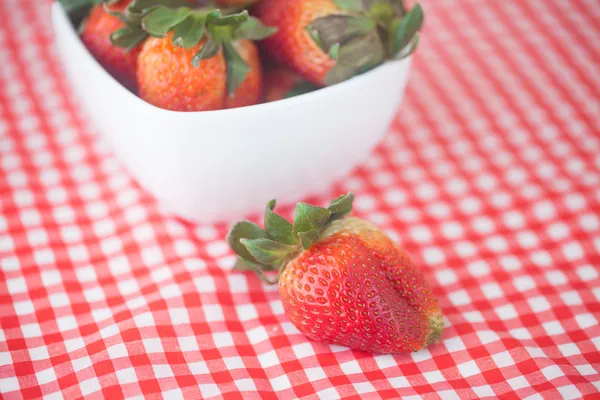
<point>219,165</point>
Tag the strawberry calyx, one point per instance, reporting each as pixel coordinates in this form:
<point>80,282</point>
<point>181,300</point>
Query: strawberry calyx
<point>219,28</point>
<point>270,249</point>
<point>299,88</point>
<point>365,34</point>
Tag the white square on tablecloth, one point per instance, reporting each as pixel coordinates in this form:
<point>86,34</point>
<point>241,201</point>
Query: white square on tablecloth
<point>23,307</point>
<point>170,291</point>
<point>280,383</point>
<point>506,312</point>
<point>109,331</point>
<point>586,320</point>
<point>198,368</point>
<point>363,387</point>
<point>223,339</point>
<point>517,382</point>
<point>8,385</point>
<point>153,345</point>
<point>569,392</point>
<point>459,298</point>
<point>398,382</point>
<point>179,316</point>
<point>31,330</point>
<point>571,298</point>
<point>209,390</point>
<point>89,386</point>
<point>434,376</point>
<point>144,320</point>
<point>257,335</point>
<point>127,287</point>
<point>491,290</point>
<point>81,363</point>
<point>328,394</point>
<point>350,367</point>
<point>552,372</point>
<point>539,304</point>
<point>304,349</point>
<point>18,285</point>
<point>246,312</point>
<point>245,385</point>
<point>421,355</point>
<point>46,376</point>
<point>162,371</point>
<point>269,359</point>
<point>484,391</point>
<point>205,284</point>
<point>315,374</point>
<point>468,369</point>
<point>36,353</point>
<point>448,395</point>
<point>569,349</point>
<point>234,363</point>
<point>5,358</point>
<point>117,351</point>
<point>161,274</point>
<point>587,273</point>
<point>503,359</point>
<point>188,343</point>
<point>213,312</point>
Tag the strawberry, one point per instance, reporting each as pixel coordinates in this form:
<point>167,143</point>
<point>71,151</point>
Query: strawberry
<point>341,280</point>
<point>329,41</point>
<point>281,83</point>
<point>95,33</point>
<point>196,59</point>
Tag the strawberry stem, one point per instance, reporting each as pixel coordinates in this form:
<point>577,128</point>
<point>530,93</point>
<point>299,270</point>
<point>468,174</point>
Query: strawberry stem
<point>272,248</point>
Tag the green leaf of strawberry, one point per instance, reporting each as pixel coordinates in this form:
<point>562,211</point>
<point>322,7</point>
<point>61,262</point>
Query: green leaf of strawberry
<point>189,32</point>
<point>161,20</point>
<point>301,88</point>
<point>404,29</point>
<point>341,206</point>
<point>408,50</point>
<point>253,29</point>
<point>309,238</point>
<point>349,5</point>
<point>128,37</point>
<point>237,68</point>
<point>267,251</point>
<point>210,48</point>
<point>277,227</point>
<point>244,230</point>
<point>308,217</point>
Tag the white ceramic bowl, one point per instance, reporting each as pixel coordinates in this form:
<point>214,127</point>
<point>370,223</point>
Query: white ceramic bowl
<point>219,165</point>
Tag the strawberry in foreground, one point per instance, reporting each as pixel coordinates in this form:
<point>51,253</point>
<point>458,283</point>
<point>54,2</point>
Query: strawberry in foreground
<point>329,41</point>
<point>341,279</point>
<point>282,83</point>
<point>196,59</point>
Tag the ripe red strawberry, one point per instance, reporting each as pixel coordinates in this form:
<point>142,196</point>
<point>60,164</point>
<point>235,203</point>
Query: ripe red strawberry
<point>328,41</point>
<point>341,279</point>
<point>95,34</point>
<point>281,83</point>
<point>198,59</point>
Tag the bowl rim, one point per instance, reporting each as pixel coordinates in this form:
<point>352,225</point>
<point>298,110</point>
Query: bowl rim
<point>356,80</point>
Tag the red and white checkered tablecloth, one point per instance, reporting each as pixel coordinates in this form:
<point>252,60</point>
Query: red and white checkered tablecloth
<point>490,177</point>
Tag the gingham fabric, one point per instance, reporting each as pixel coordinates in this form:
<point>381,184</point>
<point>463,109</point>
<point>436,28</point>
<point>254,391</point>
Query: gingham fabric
<point>490,177</point>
